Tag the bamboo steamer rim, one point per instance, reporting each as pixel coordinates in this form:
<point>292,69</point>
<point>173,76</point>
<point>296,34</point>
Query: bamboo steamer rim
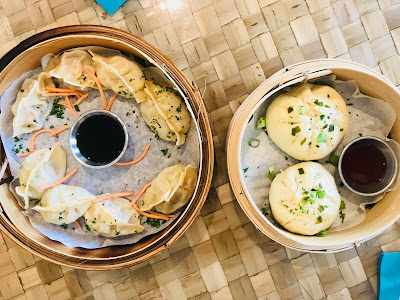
<point>167,236</point>
<point>290,75</point>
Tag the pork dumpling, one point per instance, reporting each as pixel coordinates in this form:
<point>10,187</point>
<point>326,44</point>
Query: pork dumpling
<point>30,108</point>
<point>304,198</point>
<point>164,112</point>
<point>308,122</point>
<point>70,68</point>
<point>41,167</point>
<point>113,217</point>
<point>64,204</point>
<point>118,73</point>
<point>171,189</point>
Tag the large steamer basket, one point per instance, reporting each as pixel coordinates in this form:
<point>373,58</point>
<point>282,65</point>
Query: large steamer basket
<point>371,83</point>
<point>26,56</point>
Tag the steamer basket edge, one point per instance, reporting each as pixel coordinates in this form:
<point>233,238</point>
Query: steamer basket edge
<point>233,141</point>
<point>174,232</point>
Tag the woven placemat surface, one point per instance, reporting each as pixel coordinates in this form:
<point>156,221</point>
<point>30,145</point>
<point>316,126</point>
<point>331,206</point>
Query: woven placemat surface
<point>228,47</point>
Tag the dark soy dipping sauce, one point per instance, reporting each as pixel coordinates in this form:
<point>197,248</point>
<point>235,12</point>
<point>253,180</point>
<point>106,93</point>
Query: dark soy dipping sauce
<point>100,138</point>
<point>363,165</point>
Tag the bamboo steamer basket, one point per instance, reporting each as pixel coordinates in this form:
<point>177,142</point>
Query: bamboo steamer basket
<point>381,216</point>
<point>26,56</point>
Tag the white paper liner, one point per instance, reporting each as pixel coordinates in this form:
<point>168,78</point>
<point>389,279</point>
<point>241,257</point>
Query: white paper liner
<point>367,116</point>
<point>99,181</point>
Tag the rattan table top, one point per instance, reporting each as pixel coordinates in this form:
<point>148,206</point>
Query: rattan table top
<point>228,47</point>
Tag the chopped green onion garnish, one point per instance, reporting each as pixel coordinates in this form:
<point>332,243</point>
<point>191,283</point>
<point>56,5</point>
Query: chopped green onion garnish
<point>271,173</point>
<point>319,220</point>
<point>342,205</point>
<point>342,215</point>
<point>321,208</point>
<point>333,159</point>
<point>321,194</point>
<point>321,117</point>
<point>290,109</point>
<point>261,123</point>
<point>245,170</point>
<point>302,110</point>
<point>321,138</point>
<point>254,143</point>
<point>295,130</point>
<point>341,129</point>
<point>318,102</point>
<point>301,171</point>
<point>331,128</point>
<point>303,141</point>
<point>320,186</point>
<point>322,233</point>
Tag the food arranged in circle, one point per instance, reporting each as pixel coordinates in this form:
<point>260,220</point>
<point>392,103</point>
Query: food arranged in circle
<point>135,133</point>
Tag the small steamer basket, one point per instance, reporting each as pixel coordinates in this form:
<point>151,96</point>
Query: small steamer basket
<point>25,57</point>
<point>379,217</point>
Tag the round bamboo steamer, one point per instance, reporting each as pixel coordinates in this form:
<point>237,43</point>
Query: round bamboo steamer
<point>26,56</point>
<point>381,216</point>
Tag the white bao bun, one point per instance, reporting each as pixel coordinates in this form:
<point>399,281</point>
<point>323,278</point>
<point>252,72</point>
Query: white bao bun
<point>295,120</point>
<point>289,206</point>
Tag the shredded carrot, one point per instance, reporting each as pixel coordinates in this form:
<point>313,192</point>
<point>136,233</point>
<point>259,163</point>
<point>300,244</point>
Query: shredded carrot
<point>135,160</point>
<point>160,214</point>
<point>25,154</point>
<point>79,225</point>
<point>59,94</point>
<point>58,90</point>
<point>111,101</point>
<point>140,193</point>
<point>146,214</point>
<point>98,86</point>
<point>32,142</point>
<point>61,129</point>
<point>71,108</point>
<point>114,195</point>
<point>81,99</point>
<point>60,181</point>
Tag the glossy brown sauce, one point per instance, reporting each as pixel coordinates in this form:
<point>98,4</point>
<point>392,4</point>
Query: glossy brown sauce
<point>363,165</point>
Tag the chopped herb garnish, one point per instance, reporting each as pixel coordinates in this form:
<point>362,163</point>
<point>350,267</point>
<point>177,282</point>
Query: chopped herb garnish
<point>271,173</point>
<point>302,110</point>
<point>331,128</point>
<point>63,225</point>
<point>21,90</point>
<point>261,123</point>
<point>333,159</point>
<point>321,117</point>
<point>360,134</point>
<point>254,143</point>
<point>290,109</point>
<point>322,233</point>
<point>321,208</point>
<point>245,170</point>
<point>153,222</point>
<point>341,129</point>
<point>342,205</point>
<point>303,141</point>
<point>295,130</point>
<point>57,109</point>
<point>301,171</point>
<point>318,102</point>
<point>76,107</point>
<point>342,215</point>
<point>164,151</point>
<point>87,227</point>
<point>52,126</point>
<point>321,194</point>
<point>16,139</point>
<point>321,138</point>
<point>319,220</point>
<point>117,232</point>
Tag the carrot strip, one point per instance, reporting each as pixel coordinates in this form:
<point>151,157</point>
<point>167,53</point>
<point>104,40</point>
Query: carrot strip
<point>146,214</point>
<point>160,214</point>
<point>111,101</point>
<point>32,142</point>
<point>58,90</point>
<point>60,181</point>
<point>135,160</point>
<point>79,225</point>
<point>61,129</point>
<point>140,194</point>
<point>98,86</point>
<point>71,108</point>
<point>59,94</point>
<point>114,195</point>
<point>81,99</point>
<point>25,154</point>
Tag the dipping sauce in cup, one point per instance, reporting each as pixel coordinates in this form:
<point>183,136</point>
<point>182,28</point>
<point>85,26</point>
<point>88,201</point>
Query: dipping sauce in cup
<point>98,139</point>
<point>368,166</point>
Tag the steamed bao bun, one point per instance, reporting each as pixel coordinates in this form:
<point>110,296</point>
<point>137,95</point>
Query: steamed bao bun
<point>308,122</point>
<point>304,198</point>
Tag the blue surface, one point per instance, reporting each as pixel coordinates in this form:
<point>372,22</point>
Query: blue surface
<point>110,6</point>
<point>389,276</point>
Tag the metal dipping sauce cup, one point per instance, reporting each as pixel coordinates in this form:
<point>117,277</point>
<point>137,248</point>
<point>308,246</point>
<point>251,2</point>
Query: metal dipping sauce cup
<point>390,170</point>
<point>73,139</point>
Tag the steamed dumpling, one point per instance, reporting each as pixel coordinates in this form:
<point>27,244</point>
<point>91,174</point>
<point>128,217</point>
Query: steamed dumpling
<point>304,198</point>
<point>39,168</point>
<point>64,204</point>
<point>30,108</point>
<point>70,68</point>
<point>171,189</point>
<point>164,112</point>
<point>118,73</point>
<point>113,217</point>
<point>308,122</point>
